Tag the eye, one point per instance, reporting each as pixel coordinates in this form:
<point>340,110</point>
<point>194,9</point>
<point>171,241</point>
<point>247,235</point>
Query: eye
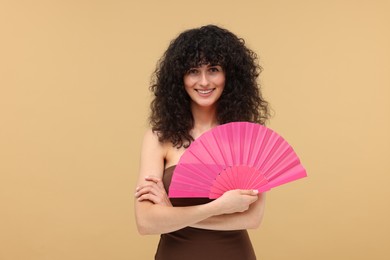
<point>192,71</point>
<point>215,69</point>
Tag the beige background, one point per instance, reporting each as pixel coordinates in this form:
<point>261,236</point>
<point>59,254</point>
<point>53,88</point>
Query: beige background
<point>74,101</point>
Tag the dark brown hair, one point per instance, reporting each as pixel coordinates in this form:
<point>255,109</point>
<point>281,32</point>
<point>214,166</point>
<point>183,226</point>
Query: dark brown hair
<point>241,99</point>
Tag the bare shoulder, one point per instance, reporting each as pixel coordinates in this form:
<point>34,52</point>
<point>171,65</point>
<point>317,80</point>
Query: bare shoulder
<point>164,151</point>
<point>151,137</point>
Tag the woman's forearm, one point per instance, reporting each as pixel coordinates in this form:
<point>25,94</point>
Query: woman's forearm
<point>154,218</point>
<point>161,219</point>
<point>249,219</point>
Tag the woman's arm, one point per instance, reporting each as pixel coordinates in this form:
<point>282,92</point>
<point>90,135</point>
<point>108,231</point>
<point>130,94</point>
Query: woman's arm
<point>250,219</point>
<point>153,218</point>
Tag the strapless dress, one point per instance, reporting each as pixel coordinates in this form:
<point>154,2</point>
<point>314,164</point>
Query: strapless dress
<point>201,244</point>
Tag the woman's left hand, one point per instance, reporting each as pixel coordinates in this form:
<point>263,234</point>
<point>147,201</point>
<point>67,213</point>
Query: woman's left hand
<point>153,191</point>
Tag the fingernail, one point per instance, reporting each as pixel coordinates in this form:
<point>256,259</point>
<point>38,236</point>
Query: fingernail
<point>255,191</point>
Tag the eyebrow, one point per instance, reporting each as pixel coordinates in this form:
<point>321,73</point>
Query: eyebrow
<point>208,65</point>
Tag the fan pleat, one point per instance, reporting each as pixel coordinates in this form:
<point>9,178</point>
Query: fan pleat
<point>258,153</point>
<point>244,176</point>
<point>278,157</point>
<point>209,155</point>
<point>249,146</point>
<point>224,147</point>
<point>239,155</point>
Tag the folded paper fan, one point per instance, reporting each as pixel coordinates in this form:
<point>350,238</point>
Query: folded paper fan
<point>238,155</point>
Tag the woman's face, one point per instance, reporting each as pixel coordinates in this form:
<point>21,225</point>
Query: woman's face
<point>205,84</point>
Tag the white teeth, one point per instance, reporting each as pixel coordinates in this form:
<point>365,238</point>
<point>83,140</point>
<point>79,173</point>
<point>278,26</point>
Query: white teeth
<point>204,91</point>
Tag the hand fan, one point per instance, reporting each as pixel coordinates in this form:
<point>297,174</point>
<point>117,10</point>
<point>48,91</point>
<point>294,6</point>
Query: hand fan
<point>238,155</point>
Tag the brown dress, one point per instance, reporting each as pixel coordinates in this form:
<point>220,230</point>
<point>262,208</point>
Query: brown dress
<point>201,244</point>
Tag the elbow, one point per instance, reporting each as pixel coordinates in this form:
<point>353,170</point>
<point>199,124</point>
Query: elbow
<point>254,224</point>
<point>144,223</point>
<point>144,228</point>
<point>256,217</point>
<point>143,231</point>
<point>148,227</point>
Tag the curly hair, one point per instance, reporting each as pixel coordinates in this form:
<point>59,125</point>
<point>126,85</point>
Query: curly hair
<point>241,99</point>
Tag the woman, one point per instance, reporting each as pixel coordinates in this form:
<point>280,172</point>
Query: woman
<point>207,77</point>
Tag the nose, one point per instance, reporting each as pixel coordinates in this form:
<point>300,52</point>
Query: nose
<point>203,80</point>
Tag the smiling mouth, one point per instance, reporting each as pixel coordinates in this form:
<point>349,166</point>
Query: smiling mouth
<point>205,91</point>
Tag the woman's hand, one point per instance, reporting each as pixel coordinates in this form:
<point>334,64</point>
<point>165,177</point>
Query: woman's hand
<point>153,191</point>
<point>236,201</point>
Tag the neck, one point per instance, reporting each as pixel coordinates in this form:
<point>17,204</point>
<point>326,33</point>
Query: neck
<point>205,118</point>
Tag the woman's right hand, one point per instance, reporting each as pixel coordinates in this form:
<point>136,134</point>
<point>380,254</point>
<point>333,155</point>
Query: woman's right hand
<point>236,201</point>
<point>153,191</point>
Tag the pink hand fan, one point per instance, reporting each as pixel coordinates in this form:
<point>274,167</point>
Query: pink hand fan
<point>238,155</point>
